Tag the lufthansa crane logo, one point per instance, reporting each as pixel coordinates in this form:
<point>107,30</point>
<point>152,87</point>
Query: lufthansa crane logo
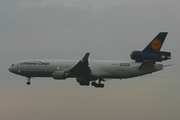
<point>156,44</point>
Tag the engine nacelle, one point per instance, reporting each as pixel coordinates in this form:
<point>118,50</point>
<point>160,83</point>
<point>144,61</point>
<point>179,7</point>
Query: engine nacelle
<point>139,56</point>
<point>61,75</point>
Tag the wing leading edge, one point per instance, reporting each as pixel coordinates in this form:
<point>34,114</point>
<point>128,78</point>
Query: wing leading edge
<point>81,69</point>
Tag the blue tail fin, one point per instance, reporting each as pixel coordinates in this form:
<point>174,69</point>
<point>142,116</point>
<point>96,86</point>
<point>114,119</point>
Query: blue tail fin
<point>152,50</point>
<point>156,44</point>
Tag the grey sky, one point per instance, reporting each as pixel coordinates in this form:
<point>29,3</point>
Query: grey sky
<point>67,29</point>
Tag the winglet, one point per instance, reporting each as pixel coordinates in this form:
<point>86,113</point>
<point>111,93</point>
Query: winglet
<point>85,58</point>
<point>81,68</point>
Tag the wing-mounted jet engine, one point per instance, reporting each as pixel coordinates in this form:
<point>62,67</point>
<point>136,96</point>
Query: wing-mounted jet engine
<point>152,51</point>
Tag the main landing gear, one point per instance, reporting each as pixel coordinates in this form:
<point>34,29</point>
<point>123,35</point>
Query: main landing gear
<point>98,85</point>
<point>28,82</point>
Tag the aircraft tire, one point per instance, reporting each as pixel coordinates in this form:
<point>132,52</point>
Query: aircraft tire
<point>84,84</point>
<point>99,86</point>
<point>28,83</point>
<point>93,83</point>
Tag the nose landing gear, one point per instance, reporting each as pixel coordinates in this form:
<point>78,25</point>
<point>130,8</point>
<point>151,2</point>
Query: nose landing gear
<point>28,82</point>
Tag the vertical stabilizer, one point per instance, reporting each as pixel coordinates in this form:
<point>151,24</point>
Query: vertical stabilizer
<point>156,44</point>
<point>152,51</point>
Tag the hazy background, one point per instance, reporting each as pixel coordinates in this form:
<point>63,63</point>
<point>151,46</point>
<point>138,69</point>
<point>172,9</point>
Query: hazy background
<point>108,29</point>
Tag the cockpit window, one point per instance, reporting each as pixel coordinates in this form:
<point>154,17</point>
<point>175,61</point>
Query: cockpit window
<point>12,65</point>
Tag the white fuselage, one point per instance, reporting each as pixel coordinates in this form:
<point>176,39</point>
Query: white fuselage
<point>99,68</point>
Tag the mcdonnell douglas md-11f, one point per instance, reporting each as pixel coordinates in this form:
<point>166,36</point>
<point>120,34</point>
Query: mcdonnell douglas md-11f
<point>89,71</point>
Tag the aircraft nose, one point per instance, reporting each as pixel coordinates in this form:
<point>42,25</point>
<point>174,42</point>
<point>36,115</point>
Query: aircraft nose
<point>10,69</point>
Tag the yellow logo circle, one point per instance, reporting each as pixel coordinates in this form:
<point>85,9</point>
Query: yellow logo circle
<point>156,44</point>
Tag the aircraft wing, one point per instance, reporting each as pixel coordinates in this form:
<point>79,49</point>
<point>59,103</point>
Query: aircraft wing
<point>81,69</point>
<point>146,65</point>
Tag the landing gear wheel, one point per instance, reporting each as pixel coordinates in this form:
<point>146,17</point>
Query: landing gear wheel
<point>28,83</point>
<point>99,86</point>
<point>87,84</point>
<point>84,83</point>
<point>93,83</point>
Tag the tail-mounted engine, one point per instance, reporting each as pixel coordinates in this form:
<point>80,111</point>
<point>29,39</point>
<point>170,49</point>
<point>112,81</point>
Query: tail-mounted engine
<point>152,50</point>
<point>158,56</point>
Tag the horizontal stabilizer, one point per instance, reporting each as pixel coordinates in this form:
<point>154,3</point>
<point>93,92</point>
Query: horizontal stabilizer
<point>146,65</point>
<point>167,65</point>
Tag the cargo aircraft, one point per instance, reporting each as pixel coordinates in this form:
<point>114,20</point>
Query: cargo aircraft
<point>94,72</point>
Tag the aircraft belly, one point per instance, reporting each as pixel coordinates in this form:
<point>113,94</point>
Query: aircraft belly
<point>122,72</point>
<point>36,73</point>
<point>112,73</point>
